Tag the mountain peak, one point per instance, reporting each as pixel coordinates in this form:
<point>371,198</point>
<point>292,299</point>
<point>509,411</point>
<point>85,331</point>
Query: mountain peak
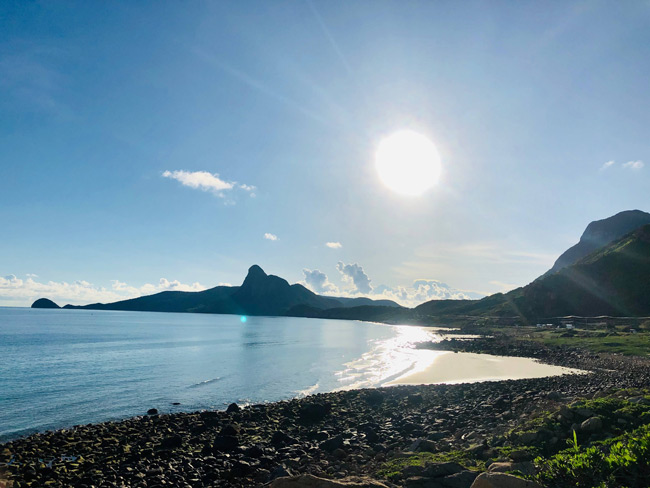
<point>255,272</point>
<point>600,233</point>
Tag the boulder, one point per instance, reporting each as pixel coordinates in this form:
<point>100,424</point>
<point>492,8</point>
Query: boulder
<point>437,470</point>
<point>225,443</point>
<point>230,429</point>
<point>171,442</point>
<point>310,481</point>
<point>331,445</point>
<point>502,480</point>
<point>422,482</point>
<point>279,438</point>
<point>592,425</point>
<point>233,408</point>
<point>313,412</point>
<point>464,479</point>
<point>525,467</point>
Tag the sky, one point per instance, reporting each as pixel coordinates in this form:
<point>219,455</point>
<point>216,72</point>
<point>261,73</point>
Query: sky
<point>147,146</point>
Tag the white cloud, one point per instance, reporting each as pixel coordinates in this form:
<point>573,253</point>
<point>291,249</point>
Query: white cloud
<point>202,180</point>
<point>17,292</point>
<point>606,165</point>
<point>334,245</point>
<point>634,165</point>
<point>422,291</point>
<point>317,281</point>
<point>419,292</point>
<point>355,276</point>
<point>270,237</point>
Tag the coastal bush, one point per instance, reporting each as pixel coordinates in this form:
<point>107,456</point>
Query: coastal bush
<point>623,461</point>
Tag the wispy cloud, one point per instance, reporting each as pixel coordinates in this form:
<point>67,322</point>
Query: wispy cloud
<point>19,292</point>
<point>270,237</point>
<point>631,165</point>
<point>202,180</point>
<point>334,245</point>
<point>634,165</point>
<point>607,165</point>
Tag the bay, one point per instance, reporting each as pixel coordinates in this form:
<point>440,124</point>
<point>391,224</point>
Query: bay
<point>60,368</point>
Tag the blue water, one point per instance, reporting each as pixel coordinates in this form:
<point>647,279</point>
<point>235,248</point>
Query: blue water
<point>60,368</point>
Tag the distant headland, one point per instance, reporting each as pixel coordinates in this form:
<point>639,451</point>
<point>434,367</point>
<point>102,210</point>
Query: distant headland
<point>606,274</point>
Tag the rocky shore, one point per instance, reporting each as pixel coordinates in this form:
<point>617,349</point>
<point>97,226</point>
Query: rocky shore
<point>333,435</point>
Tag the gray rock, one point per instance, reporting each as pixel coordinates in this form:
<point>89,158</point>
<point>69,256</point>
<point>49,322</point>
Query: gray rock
<point>592,425</point>
<point>331,445</point>
<point>527,437</point>
<point>233,408</point>
<point>438,470</point>
<point>422,482</point>
<point>526,467</point>
<point>310,481</point>
<point>501,480</point>
<point>464,479</point>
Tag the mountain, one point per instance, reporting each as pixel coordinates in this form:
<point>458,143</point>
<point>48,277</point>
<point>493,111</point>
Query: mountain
<point>44,303</point>
<point>347,302</point>
<point>600,233</point>
<point>613,280</point>
<point>259,294</point>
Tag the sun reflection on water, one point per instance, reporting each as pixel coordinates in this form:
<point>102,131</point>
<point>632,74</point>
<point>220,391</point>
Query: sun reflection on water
<point>389,359</point>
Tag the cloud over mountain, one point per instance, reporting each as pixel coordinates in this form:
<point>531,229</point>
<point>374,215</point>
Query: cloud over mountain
<point>358,283</point>
<point>354,275</point>
<point>19,292</point>
<point>317,281</point>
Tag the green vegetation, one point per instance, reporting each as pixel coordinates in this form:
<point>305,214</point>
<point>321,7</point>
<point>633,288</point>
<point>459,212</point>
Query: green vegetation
<point>599,442</point>
<point>623,461</point>
<point>395,467</point>
<point>630,344</point>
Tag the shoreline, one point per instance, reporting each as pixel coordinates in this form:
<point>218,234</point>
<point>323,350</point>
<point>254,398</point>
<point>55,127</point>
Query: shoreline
<point>331,435</point>
<point>469,367</point>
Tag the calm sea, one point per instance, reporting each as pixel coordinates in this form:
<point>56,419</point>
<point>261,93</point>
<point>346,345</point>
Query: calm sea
<point>60,368</point>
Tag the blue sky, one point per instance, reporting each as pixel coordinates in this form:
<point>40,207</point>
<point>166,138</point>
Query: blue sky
<point>286,102</point>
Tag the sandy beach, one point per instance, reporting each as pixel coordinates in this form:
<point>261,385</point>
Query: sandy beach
<point>463,367</point>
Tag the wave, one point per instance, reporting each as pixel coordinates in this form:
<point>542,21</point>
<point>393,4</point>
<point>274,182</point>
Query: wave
<point>307,391</point>
<point>388,359</point>
<point>206,382</point>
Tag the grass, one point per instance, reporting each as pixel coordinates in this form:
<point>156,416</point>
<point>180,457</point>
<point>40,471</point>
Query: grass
<point>629,344</point>
<point>393,469</point>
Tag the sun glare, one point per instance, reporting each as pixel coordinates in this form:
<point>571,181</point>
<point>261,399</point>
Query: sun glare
<point>408,162</point>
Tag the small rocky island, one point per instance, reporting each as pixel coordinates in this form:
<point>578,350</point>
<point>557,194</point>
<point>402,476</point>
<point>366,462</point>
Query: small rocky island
<point>44,303</point>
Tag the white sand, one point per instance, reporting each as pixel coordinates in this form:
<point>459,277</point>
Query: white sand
<point>463,367</point>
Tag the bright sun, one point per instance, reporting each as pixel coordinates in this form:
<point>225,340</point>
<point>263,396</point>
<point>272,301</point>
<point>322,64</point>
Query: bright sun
<point>408,162</point>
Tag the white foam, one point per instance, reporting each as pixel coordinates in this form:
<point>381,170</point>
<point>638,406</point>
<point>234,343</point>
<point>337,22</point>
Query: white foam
<point>388,359</point>
<point>307,391</point>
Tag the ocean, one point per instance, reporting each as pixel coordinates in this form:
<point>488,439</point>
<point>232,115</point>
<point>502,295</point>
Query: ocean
<point>60,368</point>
